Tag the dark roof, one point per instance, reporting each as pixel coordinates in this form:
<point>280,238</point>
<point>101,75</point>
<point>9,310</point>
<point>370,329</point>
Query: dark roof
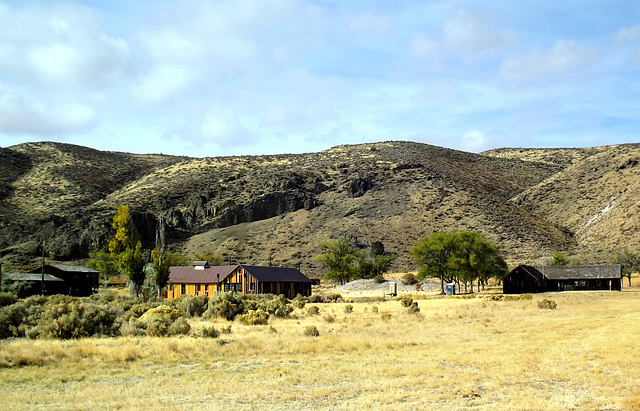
<point>31,277</point>
<point>191,275</point>
<point>581,272</point>
<point>74,268</point>
<point>276,274</point>
<point>534,272</point>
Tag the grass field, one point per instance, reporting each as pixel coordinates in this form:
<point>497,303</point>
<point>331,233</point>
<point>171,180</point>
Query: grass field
<point>457,353</point>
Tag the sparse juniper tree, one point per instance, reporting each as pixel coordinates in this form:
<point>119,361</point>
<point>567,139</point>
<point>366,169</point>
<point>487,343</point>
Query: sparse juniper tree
<point>162,261</point>
<point>341,259</point>
<point>628,260</point>
<point>125,249</point>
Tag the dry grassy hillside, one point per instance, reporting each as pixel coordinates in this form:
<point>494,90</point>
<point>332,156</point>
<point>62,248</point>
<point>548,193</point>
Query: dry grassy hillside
<point>278,207</point>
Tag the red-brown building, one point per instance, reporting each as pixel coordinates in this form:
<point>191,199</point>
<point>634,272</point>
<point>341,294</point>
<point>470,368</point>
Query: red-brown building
<point>202,279</point>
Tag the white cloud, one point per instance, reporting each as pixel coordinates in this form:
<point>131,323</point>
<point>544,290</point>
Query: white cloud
<point>628,34</point>
<point>473,37</point>
<point>469,35</point>
<point>20,114</point>
<point>474,141</point>
<point>565,58</point>
<point>55,68</point>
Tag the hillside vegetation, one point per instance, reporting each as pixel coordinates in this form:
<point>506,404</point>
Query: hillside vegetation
<point>253,209</point>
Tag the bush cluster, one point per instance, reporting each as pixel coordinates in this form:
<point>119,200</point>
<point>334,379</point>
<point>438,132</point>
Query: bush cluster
<point>254,317</point>
<point>409,279</point>
<point>406,300</point>
<point>547,304</point>
<point>311,331</point>
<point>326,298</point>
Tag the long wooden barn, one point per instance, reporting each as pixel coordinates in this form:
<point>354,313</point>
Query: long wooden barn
<point>528,279</point>
<point>202,279</point>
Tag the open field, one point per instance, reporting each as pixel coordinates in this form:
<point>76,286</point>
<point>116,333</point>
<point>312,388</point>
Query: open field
<point>457,353</point>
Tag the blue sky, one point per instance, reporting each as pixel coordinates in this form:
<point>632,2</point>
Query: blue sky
<point>208,78</point>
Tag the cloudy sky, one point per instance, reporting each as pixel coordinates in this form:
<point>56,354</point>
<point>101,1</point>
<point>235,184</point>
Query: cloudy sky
<point>207,78</point>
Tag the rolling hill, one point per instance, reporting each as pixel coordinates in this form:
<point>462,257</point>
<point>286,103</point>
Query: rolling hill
<point>255,209</point>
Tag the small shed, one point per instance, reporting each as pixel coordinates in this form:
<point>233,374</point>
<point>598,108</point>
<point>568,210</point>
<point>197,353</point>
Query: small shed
<point>528,279</point>
<point>28,284</point>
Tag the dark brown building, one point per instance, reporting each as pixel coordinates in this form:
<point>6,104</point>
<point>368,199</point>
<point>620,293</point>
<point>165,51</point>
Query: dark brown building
<point>202,279</point>
<point>528,279</point>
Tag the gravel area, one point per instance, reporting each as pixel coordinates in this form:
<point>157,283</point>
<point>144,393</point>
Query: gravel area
<point>371,285</point>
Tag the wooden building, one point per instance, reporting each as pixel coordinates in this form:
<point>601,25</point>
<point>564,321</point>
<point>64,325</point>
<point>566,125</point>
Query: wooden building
<point>52,279</point>
<point>202,279</point>
<point>528,279</point>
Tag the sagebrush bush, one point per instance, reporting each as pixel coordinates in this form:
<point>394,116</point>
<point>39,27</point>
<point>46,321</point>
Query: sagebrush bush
<point>208,332</point>
<point>225,305</point>
<point>76,319</point>
<point>7,299</point>
<point>386,316</point>
<point>192,305</point>
<point>254,317</point>
<point>348,309</point>
<point>311,331</point>
<point>299,302</point>
<point>313,310</point>
<point>378,279</point>
<point>547,304</point>
<point>413,308</point>
<point>406,300</point>
<point>279,306</point>
<point>179,327</point>
<point>374,309</point>
<point>329,318</point>
<point>409,279</point>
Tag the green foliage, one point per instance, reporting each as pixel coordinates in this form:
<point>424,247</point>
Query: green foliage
<point>225,305</point>
<point>192,306</point>
<point>299,302</point>
<point>76,319</point>
<point>628,260</point>
<point>7,299</point>
<point>162,260</point>
<point>179,327</point>
<point>559,259</point>
<point>378,279</point>
<point>254,317</point>
<point>279,306</point>
<point>210,257</point>
<point>313,310</point>
<point>101,261</point>
<point>126,249</point>
<point>340,258</point>
<point>458,256</point>
<point>547,304</point>
<point>409,279</point>
<point>311,331</point>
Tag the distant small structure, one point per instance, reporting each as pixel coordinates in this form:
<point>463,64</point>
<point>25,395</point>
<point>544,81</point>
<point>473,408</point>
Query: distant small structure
<point>528,279</point>
<point>53,279</point>
<point>202,279</point>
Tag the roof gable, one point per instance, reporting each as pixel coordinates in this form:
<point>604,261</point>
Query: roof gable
<point>192,275</point>
<point>581,272</point>
<point>276,274</point>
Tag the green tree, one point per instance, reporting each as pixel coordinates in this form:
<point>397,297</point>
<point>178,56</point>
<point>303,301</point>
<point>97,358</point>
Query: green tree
<point>341,259</point>
<point>628,260</point>
<point>434,256</point>
<point>458,257</point>
<point>125,249</point>
<point>101,261</point>
<point>162,260</point>
<point>559,259</point>
<point>210,257</point>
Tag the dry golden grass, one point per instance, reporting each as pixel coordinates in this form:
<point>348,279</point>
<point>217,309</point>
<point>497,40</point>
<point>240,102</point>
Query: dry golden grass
<point>457,353</point>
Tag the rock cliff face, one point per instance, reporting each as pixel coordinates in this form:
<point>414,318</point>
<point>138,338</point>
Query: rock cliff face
<point>255,209</point>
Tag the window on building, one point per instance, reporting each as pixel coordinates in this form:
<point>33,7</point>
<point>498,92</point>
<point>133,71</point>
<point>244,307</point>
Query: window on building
<point>198,288</point>
<point>206,289</point>
<point>183,289</point>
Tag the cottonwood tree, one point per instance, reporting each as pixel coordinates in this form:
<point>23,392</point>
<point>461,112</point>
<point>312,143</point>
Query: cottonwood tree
<point>628,260</point>
<point>341,259</point>
<point>162,260</point>
<point>125,249</point>
<point>458,256</point>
